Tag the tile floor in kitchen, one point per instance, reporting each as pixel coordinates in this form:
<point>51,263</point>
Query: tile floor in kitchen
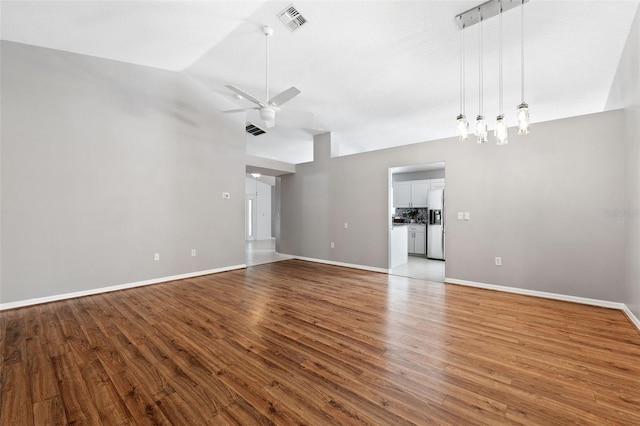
<point>422,268</point>
<point>263,251</point>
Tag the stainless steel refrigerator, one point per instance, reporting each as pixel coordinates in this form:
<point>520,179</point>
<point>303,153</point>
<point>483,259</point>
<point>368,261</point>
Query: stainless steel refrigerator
<point>435,224</point>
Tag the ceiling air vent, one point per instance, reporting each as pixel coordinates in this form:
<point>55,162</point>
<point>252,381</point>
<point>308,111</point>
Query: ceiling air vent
<point>254,130</point>
<point>292,18</point>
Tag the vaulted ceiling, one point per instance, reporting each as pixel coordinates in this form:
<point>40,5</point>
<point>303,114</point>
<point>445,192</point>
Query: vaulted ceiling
<point>375,74</point>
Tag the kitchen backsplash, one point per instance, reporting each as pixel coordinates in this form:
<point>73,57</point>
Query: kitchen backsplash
<point>420,218</point>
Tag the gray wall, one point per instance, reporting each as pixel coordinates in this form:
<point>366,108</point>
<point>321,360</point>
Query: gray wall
<point>536,202</point>
<point>106,163</point>
<point>625,93</point>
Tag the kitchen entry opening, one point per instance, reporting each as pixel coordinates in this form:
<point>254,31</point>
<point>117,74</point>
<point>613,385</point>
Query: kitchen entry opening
<point>416,218</point>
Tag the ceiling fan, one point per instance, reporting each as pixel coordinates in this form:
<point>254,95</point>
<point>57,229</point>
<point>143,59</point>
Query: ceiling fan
<point>266,108</point>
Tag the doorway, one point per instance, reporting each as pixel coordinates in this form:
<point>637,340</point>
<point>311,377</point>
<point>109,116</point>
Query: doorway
<point>417,228</point>
<point>260,210</point>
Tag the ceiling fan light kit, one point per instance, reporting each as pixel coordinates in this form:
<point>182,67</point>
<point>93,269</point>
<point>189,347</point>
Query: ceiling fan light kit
<point>268,115</point>
<point>477,15</point>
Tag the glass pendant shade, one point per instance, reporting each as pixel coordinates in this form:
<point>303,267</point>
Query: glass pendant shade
<point>481,129</point>
<point>523,119</point>
<point>463,127</point>
<point>501,132</point>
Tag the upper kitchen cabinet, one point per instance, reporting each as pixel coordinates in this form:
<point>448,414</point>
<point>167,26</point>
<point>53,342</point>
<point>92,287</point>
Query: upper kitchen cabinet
<point>411,193</point>
<point>402,194</point>
<point>419,191</point>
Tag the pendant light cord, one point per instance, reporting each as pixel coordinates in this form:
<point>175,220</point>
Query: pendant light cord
<point>462,109</point>
<point>500,65</point>
<point>522,50</point>
<point>480,76</point>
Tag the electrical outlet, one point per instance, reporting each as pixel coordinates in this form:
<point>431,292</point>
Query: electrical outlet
<point>193,252</point>
<point>346,225</point>
<point>498,261</point>
<point>226,195</point>
<point>333,245</point>
<point>156,256</point>
<point>467,216</point>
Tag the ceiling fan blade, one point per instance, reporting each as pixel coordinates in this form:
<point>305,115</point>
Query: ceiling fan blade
<point>283,97</point>
<point>245,95</point>
<point>238,110</point>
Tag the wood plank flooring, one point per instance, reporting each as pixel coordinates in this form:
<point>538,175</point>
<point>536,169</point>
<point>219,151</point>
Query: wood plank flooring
<point>295,342</point>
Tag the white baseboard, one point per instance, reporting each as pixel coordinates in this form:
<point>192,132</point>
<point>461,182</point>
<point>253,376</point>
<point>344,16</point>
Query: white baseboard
<point>346,265</point>
<point>566,298</point>
<point>634,319</point>
<point>536,293</point>
<point>29,302</point>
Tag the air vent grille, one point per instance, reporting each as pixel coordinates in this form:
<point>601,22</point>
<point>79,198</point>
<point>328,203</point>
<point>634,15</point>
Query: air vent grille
<point>292,18</point>
<point>254,130</point>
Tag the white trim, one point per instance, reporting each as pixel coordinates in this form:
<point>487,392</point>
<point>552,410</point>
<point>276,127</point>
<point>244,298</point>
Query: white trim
<point>28,302</point>
<point>346,265</point>
<point>634,319</point>
<point>555,296</point>
<point>536,293</point>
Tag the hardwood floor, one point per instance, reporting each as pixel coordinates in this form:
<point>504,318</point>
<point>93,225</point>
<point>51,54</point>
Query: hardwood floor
<point>295,342</point>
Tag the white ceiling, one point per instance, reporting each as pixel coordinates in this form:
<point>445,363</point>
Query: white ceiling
<point>376,74</point>
<point>165,34</point>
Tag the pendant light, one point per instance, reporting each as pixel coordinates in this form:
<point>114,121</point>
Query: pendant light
<point>477,15</point>
<point>463,124</point>
<point>481,125</point>
<point>523,108</point>
<point>501,131</point>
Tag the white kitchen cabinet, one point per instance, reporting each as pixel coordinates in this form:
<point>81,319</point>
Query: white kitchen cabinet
<point>402,194</point>
<point>399,254</point>
<point>419,191</point>
<point>417,239</point>
<point>411,193</point>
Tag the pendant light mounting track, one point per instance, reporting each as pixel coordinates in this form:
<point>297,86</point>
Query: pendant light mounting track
<point>485,11</point>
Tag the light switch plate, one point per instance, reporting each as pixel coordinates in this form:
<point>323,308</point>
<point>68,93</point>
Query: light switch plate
<point>226,195</point>
<point>467,216</point>
<point>460,216</point>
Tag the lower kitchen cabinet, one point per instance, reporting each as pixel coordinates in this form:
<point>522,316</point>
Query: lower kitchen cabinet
<point>417,239</point>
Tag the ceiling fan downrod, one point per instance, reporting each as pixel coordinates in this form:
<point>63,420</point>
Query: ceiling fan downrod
<point>267,31</point>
